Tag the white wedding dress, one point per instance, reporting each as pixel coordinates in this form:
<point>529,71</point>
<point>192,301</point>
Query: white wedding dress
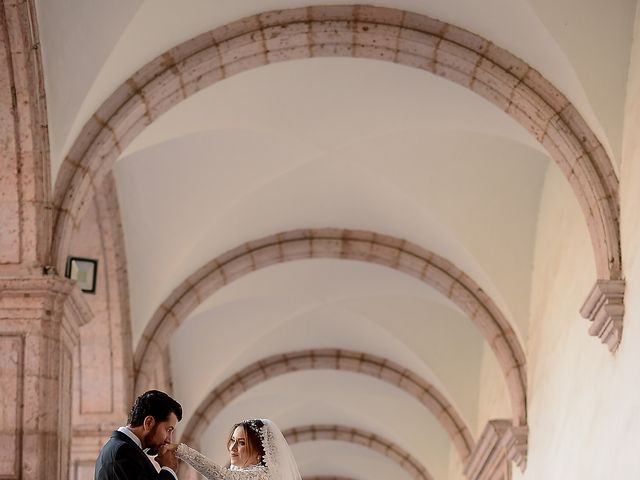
<point>279,461</point>
<point>213,471</point>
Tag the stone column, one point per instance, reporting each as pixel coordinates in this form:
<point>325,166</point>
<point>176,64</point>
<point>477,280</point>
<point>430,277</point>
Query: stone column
<point>39,322</point>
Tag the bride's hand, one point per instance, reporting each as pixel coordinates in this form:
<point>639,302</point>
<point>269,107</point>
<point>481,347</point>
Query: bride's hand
<point>168,447</point>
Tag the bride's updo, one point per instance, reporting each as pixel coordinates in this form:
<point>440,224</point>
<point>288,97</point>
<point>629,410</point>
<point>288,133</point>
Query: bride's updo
<point>253,431</point>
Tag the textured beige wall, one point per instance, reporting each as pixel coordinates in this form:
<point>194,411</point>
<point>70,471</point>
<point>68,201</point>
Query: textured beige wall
<point>493,398</point>
<point>583,401</point>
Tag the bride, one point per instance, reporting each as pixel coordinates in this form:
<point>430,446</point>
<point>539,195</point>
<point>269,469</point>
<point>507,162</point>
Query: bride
<point>257,451</point>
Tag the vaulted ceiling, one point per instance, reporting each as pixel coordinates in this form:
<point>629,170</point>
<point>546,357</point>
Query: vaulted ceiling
<point>345,143</point>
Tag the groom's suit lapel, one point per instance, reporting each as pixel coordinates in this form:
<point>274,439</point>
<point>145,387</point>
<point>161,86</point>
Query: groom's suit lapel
<point>143,456</point>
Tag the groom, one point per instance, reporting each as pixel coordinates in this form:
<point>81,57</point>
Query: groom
<point>151,422</point>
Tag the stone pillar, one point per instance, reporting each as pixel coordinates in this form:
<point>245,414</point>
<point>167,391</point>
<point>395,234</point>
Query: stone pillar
<point>25,190</point>
<point>39,329</point>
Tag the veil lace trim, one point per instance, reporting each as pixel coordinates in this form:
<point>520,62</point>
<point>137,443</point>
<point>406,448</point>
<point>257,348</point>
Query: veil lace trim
<point>278,457</point>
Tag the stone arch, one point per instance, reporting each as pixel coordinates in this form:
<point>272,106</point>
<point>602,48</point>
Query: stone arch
<point>332,359</point>
<point>391,252</point>
<point>356,436</point>
<point>356,31</point>
<point>361,437</point>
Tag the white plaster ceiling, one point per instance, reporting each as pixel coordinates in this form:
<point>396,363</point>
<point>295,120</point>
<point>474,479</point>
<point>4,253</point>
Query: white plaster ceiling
<point>339,143</point>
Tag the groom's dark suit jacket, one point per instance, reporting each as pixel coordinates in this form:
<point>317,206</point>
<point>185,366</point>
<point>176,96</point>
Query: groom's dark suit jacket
<point>121,459</point>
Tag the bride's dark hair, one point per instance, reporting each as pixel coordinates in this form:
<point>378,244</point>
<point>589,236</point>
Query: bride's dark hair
<point>252,431</point>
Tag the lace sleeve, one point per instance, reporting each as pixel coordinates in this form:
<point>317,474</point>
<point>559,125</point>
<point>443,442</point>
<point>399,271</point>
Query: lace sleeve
<point>213,471</point>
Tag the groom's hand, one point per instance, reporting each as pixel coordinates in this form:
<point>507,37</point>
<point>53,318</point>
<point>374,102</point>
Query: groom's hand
<point>167,457</point>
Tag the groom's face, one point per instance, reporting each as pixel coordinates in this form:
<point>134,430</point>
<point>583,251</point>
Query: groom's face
<point>158,433</point>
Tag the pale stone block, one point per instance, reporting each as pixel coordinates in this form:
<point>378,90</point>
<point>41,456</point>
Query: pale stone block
<point>377,35</point>
<point>380,15</point>
<point>422,23</point>
<point>236,29</point>
<point>10,233</point>
<point>373,52</point>
<point>395,456</point>
<point>254,376</point>
<point>452,73</point>
<point>246,63</point>
<point>458,58</point>
<point>545,89</point>
<point>276,368</point>
<point>350,363</point>
<point>418,43</point>
<point>439,279</point>
<point>464,297</point>
<point>295,250</point>
<point>11,376</point>
<point>212,283</point>
<point>326,247</point>
<point>129,120</point>
<point>293,235</point>
<point>324,361</point>
<point>465,39</point>
<point>392,375</point>
<point>332,12</point>
<point>582,131</point>
<point>243,46</point>
<point>206,79</point>
<point>331,33</point>
<point>182,52</point>
<point>288,54</point>
<point>356,249</point>
<point>199,64</point>
<point>507,61</point>
<point>411,264</point>
<point>415,61</point>
<point>564,139</point>
<point>433,400</point>
<point>188,303</point>
<point>346,435</point>
<point>263,243</point>
<point>285,37</point>
<point>163,92</point>
<point>495,79</point>
<point>148,72</point>
<point>288,17</point>
<point>235,389</point>
<point>237,267</point>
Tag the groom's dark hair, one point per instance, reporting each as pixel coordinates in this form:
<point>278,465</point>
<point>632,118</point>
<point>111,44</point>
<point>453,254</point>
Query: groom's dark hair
<point>155,403</point>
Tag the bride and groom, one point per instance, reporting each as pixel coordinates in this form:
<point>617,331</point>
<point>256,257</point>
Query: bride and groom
<point>257,449</point>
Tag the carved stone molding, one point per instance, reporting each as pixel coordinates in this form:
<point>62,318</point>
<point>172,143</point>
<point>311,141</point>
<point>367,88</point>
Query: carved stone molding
<point>516,442</point>
<point>604,307</point>
<point>500,444</point>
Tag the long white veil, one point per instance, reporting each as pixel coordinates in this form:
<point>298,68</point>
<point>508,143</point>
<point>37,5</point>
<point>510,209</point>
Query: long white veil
<point>278,457</point>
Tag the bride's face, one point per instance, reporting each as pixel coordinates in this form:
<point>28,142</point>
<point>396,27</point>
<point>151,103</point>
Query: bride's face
<point>240,452</point>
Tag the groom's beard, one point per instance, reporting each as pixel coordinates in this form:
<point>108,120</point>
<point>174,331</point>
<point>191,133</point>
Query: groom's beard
<point>151,448</point>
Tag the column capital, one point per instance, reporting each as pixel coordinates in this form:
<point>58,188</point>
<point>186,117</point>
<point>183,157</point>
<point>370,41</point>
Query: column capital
<point>604,308</point>
<point>34,298</point>
<point>499,444</point>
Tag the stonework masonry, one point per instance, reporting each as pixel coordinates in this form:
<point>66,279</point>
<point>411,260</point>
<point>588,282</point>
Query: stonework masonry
<point>40,320</point>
